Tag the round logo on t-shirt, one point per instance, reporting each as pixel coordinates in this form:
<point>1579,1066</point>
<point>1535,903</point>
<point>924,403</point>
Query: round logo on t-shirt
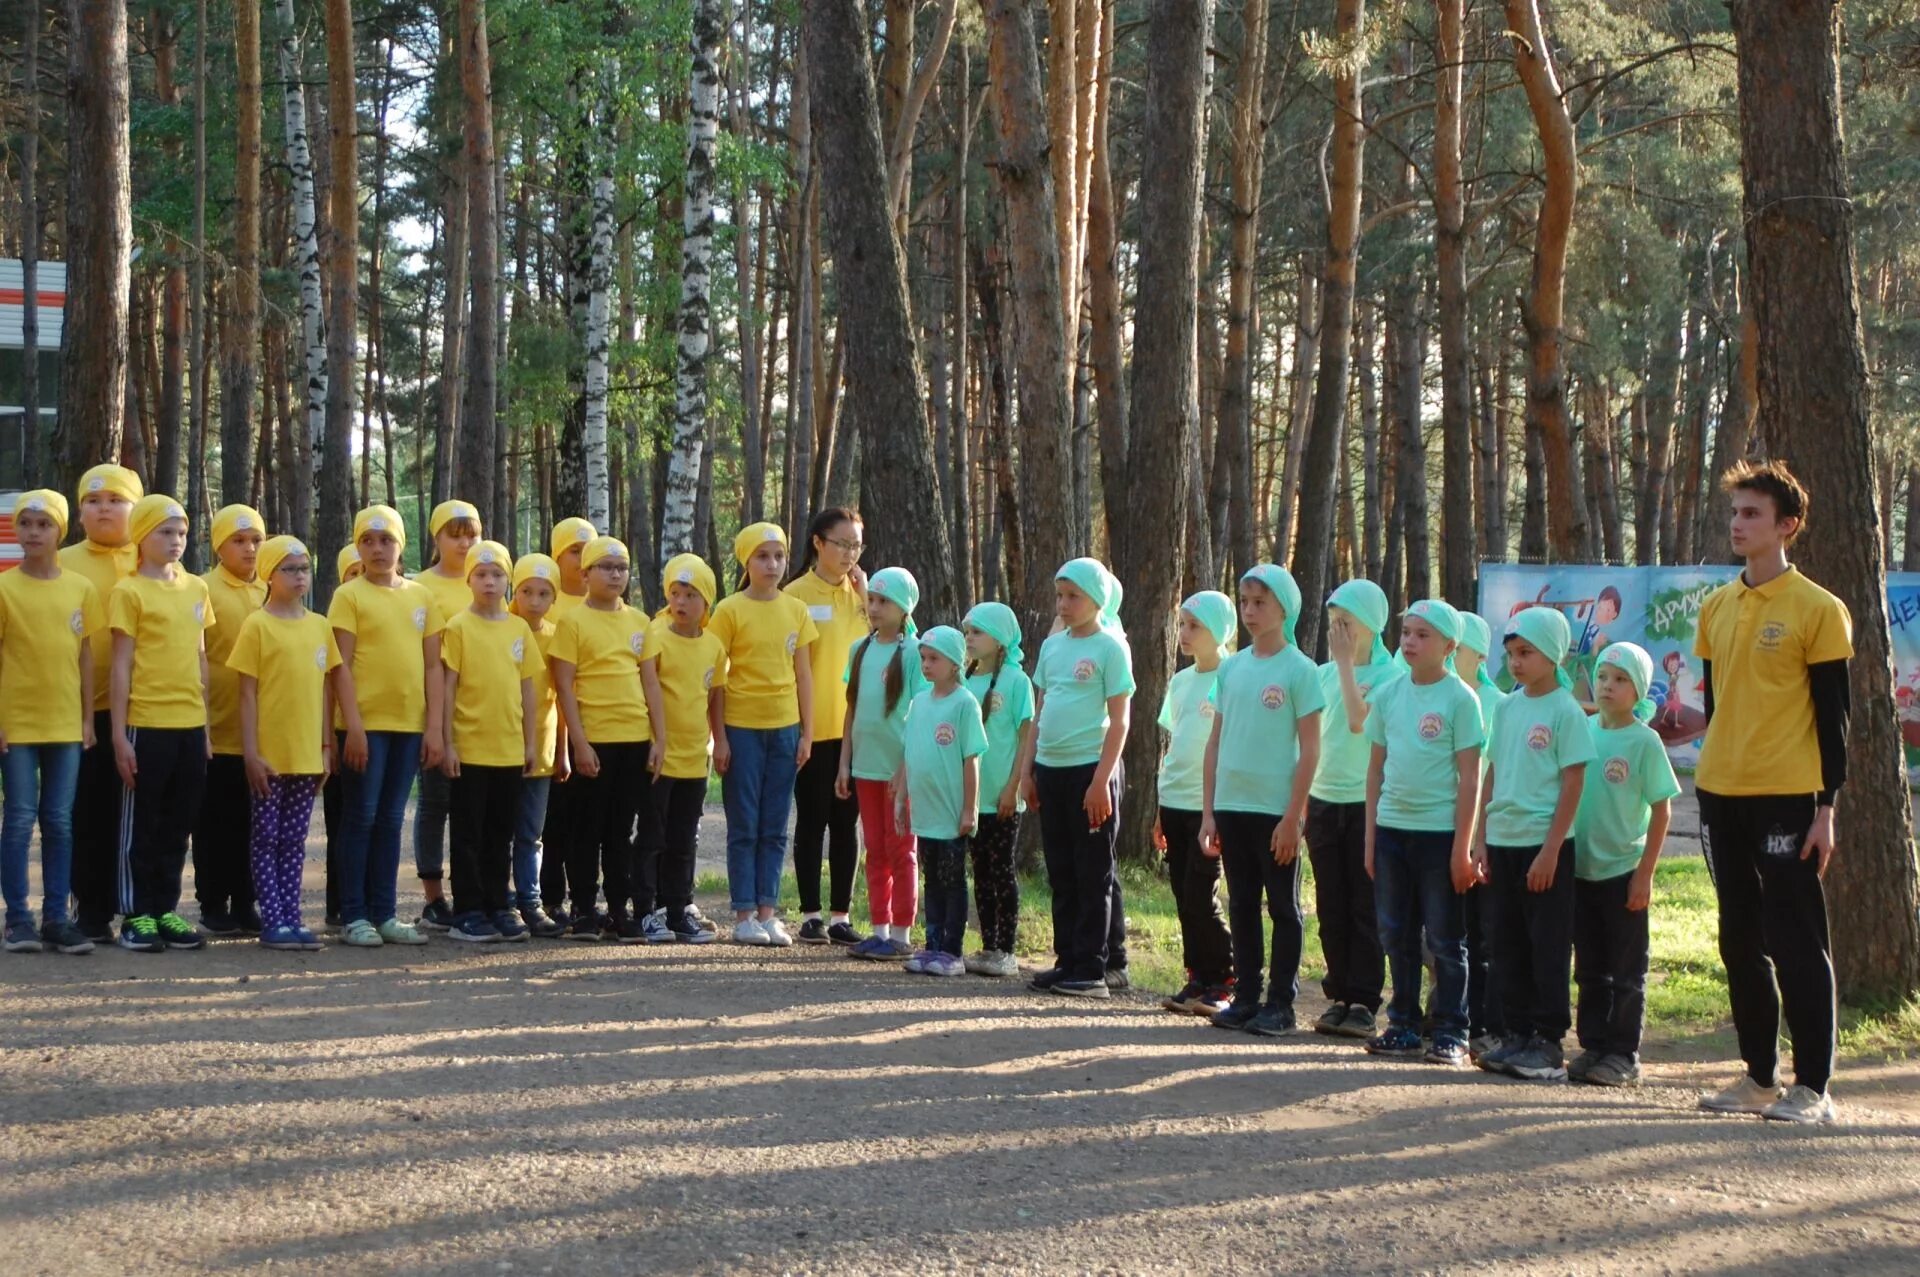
<point>1273,696</point>
<point>1083,670</point>
<point>706,678</point>
<point>519,650</point>
<point>1617,771</point>
<point>636,641</point>
<point>199,613</point>
<point>1770,635</point>
<point>320,657</point>
<point>1539,736</point>
<point>943,734</point>
<point>793,642</point>
<point>76,622</point>
<point>1431,725</point>
<point>1209,710</point>
<point>995,701</point>
<point>420,619</point>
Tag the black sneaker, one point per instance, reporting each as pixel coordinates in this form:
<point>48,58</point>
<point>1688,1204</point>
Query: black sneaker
<point>98,932</point>
<point>627,929</point>
<point>586,929</point>
<point>1397,1043</point>
<point>1360,1023</point>
<point>178,933</point>
<point>1332,1020</point>
<point>1118,980</point>
<point>1081,989</point>
<point>1182,1001</point>
<point>1495,1061</point>
<point>540,923</point>
<point>843,934</point>
<point>1044,980</point>
<point>1235,1015</point>
<point>64,937</point>
<point>507,923</point>
<point>248,919</point>
<point>812,931</point>
<point>688,930</point>
<point>1613,1070</point>
<point>1580,1065</point>
<point>1538,1061</point>
<point>219,924</point>
<point>474,928</point>
<point>437,916</point>
<point>1450,1051</point>
<point>561,915</point>
<point>1272,1022</point>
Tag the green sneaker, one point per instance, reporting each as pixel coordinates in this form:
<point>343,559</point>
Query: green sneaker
<point>394,931</point>
<point>361,935</point>
<point>179,933</point>
<point>141,933</point>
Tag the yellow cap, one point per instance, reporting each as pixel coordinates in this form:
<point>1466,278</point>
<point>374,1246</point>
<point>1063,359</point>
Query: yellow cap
<point>230,519</point>
<point>571,532</point>
<point>273,550</point>
<point>490,554</point>
<point>346,561</point>
<point>118,480</point>
<point>149,512</point>
<point>536,567</point>
<point>753,536</point>
<point>380,518</point>
<point>690,569</point>
<point>603,548</point>
<point>447,511</point>
<point>43,501</point>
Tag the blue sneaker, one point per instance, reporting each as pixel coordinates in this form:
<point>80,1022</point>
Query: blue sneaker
<point>282,937</point>
<point>508,924</point>
<point>473,928</point>
<point>1397,1043</point>
<point>308,941</point>
<point>873,948</point>
<point>897,949</point>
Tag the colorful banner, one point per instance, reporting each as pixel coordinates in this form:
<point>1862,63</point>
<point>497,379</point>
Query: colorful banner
<point>1657,608</point>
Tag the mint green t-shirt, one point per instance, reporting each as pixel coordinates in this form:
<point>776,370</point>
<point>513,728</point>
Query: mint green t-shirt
<point>1005,709</point>
<point>1630,773</point>
<point>1187,713</point>
<point>1076,677</point>
<point>1531,740</point>
<point>1490,698</point>
<point>876,733</point>
<point>1422,727</point>
<point>1261,700</point>
<point>942,733</point>
<point>1345,751</point>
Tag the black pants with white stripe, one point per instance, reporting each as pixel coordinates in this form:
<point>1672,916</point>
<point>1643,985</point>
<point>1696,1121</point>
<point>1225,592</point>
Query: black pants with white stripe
<point>96,830</point>
<point>157,816</point>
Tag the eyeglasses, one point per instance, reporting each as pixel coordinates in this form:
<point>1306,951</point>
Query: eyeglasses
<point>853,549</point>
<point>611,567</point>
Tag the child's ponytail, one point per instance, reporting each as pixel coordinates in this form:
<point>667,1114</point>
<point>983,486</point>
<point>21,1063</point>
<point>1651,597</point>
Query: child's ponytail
<point>853,674</point>
<point>896,676</point>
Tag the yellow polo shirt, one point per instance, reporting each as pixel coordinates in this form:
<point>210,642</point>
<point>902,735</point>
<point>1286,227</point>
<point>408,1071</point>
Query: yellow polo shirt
<point>452,593</point>
<point>233,601</point>
<point>105,568</point>
<point>1761,639</point>
<point>838,615</point>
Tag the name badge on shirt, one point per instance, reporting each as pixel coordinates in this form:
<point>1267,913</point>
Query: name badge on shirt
<point>820,611</point>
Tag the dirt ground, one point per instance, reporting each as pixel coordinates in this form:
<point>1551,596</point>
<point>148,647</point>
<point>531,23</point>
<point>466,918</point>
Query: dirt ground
<point>549,1108</point>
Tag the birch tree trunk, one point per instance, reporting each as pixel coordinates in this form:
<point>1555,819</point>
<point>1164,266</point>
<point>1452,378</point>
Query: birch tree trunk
<point>239,369</point>
<point>696,283</point>
<point>599,493</point>
<point>306,259</point>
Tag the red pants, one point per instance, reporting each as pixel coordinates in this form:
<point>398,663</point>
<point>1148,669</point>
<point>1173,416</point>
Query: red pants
<point>893,862</point>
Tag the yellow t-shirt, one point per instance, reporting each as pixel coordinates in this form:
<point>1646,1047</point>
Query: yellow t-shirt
<point>167,621</point>
<point>289,658</point>
<point>492,657</point>
<point>388,627</point>
<point>1761,640</point>
<point>604,649</point>
<point>837,614</point>
<point>760,638</point>
<point>688,668</point>
<point>105,569</point>
<point>452,593</point>
<point>546,733</point>
<point>42,624</point>
<point>563,603</point>
<point>233,601</point>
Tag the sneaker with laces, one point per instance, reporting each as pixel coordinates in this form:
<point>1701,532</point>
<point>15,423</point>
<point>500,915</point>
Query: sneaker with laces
<point>1744,1096</point>
<point>918,962</point>
<point>1082,989</point>
<point>247,918</point>
<point>812,931</point>
<point>777,934</point>
<point>895,950</point>
<point>1213,998</point>
<point>394,931</point>
<point>1479,1047</point>
<point>1802,1104</point>
<point>1178,1001</point>
<point>1119,979</point>
<point>1273,1021</point>
<point>1494,1060</point>
<point>361,934</point>
<point>1448,1051</point>
<point>22,938</point>
<point>1538,1061</point>
<point>1612,1070</point>
<point>1361,1023</point>
<point>507,923</point>
<point>140,933</point>
<point>474,928</point>
<point>1397,1042</point>
<point>308,941</point>
<point>64,937</point>
<point>179,933</point>
<point>992,962</point>
<point>945,965</point>
<point>437,916</point>
<point>1236,1015</point>
<point>219,924</point>
<point>867,949</point>
<point>1044,979</point>
<point>1331,1020</point>
<point>654,929</point>
<point>687,931</point>
<point>627,929</point>
<point>281,937</point>
<point>843,934</point>
<point>749,931</point>
<point>585,928</point>
<point>701,920</point>
<point>1582,1064</point>
<point>540,923</point>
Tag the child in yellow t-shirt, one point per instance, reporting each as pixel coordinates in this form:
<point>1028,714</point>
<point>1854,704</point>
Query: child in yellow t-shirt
<point>388,629</point>
<point>536,578</point>
<point>595,657</point>
<point>103,557</point>
<point>492,722</point>
<point>768,721</point>
<point>288,666</point>
<point>570,537</point>
<point>685,673</point>
<point>159,617</point>
<point>49,620</point>
<point>221,879</point>
<point>455,528</point>
<point>348,567</point>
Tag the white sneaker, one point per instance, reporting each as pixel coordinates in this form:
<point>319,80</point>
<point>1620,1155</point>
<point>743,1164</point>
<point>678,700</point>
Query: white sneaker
<point>749,931</point>
<point>992,962</point>
<point>776,933</point>
<point>1744,1096</point>
<point>1801,1104</point>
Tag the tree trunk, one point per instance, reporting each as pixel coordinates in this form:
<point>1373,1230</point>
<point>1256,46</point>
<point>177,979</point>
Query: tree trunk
<point>1544,306</point>
<point>1407,340</point>
<point>1036,205</point>
<point>694,325</point>
<point>1320,462</point>
<point>474,454</point>
<point>960,488</point>
<point>1663,375</point>
<point>1233,446</point>
<point>1456,376</point>
<point>454,253</point>
<point>1910,561</point>
<point>885,383</point>
<point>30,252</point>
<point>168,424</point>
<point>1493,494</point>
<point>1364,328</point>
<point>98,241</point>
<point>239,368</point>
<point>1812,401</point>
<point>1103,289</point>
<point>1164,401</point>
<point>596,483</point>
<point>197,511</point>
<point>1306,354</point>
<point>334,515</point>
<point>802,234</point>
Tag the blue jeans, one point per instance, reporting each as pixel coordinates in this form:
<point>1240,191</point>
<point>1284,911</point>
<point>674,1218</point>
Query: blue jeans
<point>39,780</point>
<point>944,902</point>
<point>374,804</point>
<point>1413,891</point>
<point>526,841</point>
<point>758,791</point>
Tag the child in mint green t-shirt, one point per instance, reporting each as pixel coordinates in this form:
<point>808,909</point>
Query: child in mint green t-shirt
<point>939,778</point>
<point>1423,787</point>
<point>1618,834</point>
<point>1537,754</point>
<point>1005,694</point>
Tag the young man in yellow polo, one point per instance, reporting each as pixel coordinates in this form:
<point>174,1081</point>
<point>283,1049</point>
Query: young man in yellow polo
<point>1775,647</point>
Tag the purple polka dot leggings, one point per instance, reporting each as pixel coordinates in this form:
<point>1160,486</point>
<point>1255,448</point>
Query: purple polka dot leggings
<point>279,846</point>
